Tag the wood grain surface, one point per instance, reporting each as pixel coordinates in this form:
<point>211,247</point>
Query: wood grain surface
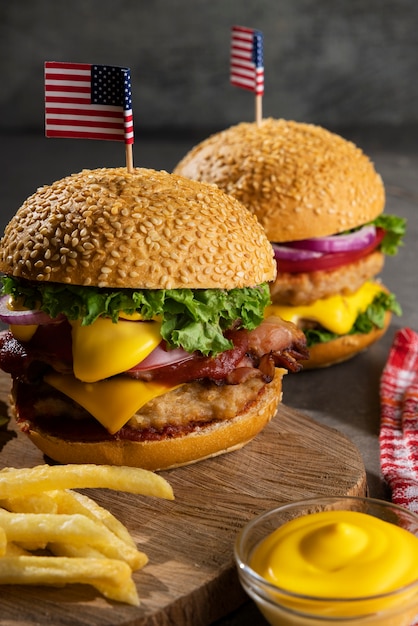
<point>190,577</point>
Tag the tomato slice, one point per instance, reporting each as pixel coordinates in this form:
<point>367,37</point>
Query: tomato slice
<point>331,260</point>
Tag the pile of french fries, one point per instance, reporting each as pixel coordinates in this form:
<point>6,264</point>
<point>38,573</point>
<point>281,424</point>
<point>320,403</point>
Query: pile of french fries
<point>53,535</point>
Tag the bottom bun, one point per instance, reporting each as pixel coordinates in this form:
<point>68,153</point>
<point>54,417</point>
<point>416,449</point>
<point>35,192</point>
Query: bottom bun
<point>215,439</point>
<point>343,348</point>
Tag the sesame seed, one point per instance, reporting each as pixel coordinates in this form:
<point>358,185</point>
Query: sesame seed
<point>280,168</point>
<point>95,228</point>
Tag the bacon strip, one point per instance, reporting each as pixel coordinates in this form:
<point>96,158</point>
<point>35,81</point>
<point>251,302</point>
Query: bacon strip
<point>275,341</point>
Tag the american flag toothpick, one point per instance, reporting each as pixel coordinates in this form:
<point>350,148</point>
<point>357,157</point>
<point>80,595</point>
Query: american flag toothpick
<point>247,65</point>
<point>89,102</point>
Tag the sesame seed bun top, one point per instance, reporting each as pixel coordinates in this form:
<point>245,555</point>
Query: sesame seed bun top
<point>300,180</point>
<point>143,230</point>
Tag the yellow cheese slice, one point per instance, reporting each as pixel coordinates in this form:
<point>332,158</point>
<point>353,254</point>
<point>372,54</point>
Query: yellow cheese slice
<point>104,348</point>
<point>336,313</point>
<point>112,402</point>
<point>23,332</point>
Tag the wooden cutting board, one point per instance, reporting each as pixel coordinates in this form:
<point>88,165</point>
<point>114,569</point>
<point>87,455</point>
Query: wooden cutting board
<point>191,577</point>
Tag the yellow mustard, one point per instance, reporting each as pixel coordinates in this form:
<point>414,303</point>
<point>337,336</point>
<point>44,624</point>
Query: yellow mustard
<point>338,554</point>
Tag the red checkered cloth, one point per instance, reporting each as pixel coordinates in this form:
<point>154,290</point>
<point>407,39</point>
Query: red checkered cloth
<point>399,419</point>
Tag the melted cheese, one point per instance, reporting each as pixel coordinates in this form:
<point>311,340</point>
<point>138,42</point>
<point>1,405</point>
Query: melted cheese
<point>23,332</point>
<point>104,349</point>
<point>100,352</point>
<point>336,313</point>
<point>111,402</point>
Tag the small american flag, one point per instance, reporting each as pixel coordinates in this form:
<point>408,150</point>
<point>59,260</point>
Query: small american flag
<point>88,101</point>
<point>247,68</point>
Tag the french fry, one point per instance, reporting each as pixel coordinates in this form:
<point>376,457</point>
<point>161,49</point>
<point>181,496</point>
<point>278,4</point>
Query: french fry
<point>76,529</point>
<point>3,542</point>
<point>70,502</point>
<point>82,541</point>
<point>12,549</point>
<point>86,552</point>
<point>49,477</point>
<point>68,549</point>
<point>37,503</point>
<point>109,576</point>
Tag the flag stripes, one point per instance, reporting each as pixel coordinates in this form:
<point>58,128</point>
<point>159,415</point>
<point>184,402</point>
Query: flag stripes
<point>246,63</point>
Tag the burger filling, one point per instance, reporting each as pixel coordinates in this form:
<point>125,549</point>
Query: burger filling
<point>176,413</point>
<point>325,285</point>
<point>120,356</point>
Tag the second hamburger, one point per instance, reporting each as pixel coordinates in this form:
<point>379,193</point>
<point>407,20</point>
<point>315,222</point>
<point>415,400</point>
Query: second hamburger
<point>320,201</point>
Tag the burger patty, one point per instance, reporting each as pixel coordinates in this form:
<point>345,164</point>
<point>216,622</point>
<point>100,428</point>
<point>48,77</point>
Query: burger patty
<point>307,287</point>
<point>198,403</point>
<point>175,413</point>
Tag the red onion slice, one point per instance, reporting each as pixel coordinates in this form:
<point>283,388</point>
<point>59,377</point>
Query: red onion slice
<point>161,357</point>
<point>338,243</point>
<point>294,254</point>
<point>26,317</point>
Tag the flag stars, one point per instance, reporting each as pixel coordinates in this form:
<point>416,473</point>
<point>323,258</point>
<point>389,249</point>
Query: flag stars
<point>111,85</point>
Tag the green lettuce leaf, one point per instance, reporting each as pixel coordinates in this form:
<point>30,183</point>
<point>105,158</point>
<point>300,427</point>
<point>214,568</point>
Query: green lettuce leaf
<point>394,228</point>
<point>194,319</point>
<point>372,317</point>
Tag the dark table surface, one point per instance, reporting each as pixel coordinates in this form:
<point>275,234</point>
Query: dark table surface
<point>345,396</point>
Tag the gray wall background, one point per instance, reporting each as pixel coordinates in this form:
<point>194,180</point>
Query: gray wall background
<point>333,62</point>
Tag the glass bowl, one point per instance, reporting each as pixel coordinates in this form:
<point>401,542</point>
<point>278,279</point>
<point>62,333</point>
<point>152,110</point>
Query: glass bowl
<point>282,608</point>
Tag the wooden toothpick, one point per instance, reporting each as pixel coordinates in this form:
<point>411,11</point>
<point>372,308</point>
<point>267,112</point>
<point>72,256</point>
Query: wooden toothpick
<point>129,157</point>
<point>258,109</point>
